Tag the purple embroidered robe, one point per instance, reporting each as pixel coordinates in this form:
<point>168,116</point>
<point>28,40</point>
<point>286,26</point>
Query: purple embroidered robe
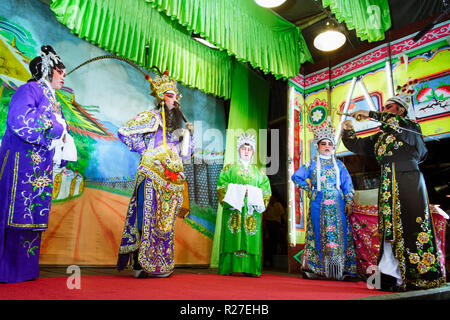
<point>26,164</point>
<point>157,197</point>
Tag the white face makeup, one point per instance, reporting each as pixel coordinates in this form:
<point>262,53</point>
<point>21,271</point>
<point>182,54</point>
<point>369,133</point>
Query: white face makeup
<point>246,152</point>
<point>326,147</point>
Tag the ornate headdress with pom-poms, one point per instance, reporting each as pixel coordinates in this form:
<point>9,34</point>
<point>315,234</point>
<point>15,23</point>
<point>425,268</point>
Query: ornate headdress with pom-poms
<point>323,131</point>
<point>404,98</point>
<point>161,84</point>
<point>319,123</point>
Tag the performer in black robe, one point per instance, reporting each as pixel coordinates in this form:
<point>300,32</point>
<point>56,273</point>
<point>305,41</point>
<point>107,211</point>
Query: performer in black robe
<point>408,256</point>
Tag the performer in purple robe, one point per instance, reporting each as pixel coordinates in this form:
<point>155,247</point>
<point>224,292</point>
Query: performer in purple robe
<point>34,125</point>
<point>149,232</point>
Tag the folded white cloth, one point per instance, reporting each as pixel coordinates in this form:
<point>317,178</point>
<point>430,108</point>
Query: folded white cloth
<point>63,150</point>
<point>255,199</point>
<point>389,264</point>
<point>235,196</point>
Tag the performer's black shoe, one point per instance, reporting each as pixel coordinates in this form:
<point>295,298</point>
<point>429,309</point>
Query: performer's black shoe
<point>312,276</point>
<point>140,274</point>
<point>351,278</point>
<point>388,283</point>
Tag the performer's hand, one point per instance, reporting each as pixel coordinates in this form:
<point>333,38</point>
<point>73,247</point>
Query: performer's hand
<point>348,209</point>
<point>190,127</point>
<point>347,125</point>
<point>360,115</point>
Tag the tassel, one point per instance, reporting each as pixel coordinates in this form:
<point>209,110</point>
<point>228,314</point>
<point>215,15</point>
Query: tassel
<point>334,267</point>
<point>318,173</point>
<point>164,126</point>
<point>338,175</point>
<point>185,143</point>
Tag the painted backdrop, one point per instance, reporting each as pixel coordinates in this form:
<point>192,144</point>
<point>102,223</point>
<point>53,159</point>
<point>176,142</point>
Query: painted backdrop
<point>91,195</point>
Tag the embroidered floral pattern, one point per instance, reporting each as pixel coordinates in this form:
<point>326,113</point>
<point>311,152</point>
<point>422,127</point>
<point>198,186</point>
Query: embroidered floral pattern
<point>424,258</point>
<point>414,258</point>
<point>250,224</point>
<point>36,158</point>
<point>385,144</point>
<point>423,237</point>
<point>387,203</point>
<point>30,247</point>
<point>234,222</point>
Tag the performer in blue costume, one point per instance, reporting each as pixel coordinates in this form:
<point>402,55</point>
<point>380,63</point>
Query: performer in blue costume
<point>329,249</point>
<point>35,136</point>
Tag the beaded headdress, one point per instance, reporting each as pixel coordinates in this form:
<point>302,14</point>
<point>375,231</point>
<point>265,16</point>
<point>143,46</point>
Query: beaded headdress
<point>246,138</point>
<point>161,84</point>
<point>324,131</point>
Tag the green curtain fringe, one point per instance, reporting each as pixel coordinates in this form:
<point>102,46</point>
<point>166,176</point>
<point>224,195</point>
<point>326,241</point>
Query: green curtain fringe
<point>242,28</point>
<point>125,27</point>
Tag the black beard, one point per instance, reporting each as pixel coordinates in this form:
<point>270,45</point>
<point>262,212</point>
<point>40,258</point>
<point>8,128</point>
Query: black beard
<point>173,118</point>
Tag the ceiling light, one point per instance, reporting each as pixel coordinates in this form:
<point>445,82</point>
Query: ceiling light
<point>329,40</point>
<point>269,3</point>
<point>203,41</point>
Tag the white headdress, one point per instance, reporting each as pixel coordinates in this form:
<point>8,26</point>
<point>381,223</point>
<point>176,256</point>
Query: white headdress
<point>246,138</point>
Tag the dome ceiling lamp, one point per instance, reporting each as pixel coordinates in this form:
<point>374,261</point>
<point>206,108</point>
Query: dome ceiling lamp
<point>270,3</point>
<point>330,39</point>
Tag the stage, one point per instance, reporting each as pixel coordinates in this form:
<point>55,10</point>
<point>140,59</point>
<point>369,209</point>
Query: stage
<point>196,284</point>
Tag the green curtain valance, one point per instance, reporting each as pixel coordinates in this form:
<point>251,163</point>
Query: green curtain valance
<point>245,30</point>
<point>370,18</point>
<point>125,27</point>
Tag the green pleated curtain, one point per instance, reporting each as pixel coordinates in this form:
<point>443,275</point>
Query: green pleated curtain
<point>245,30</point>
<point>248,113</point>
<point>240,28</point>
<point>125,27</point>
<point>369,18</point>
